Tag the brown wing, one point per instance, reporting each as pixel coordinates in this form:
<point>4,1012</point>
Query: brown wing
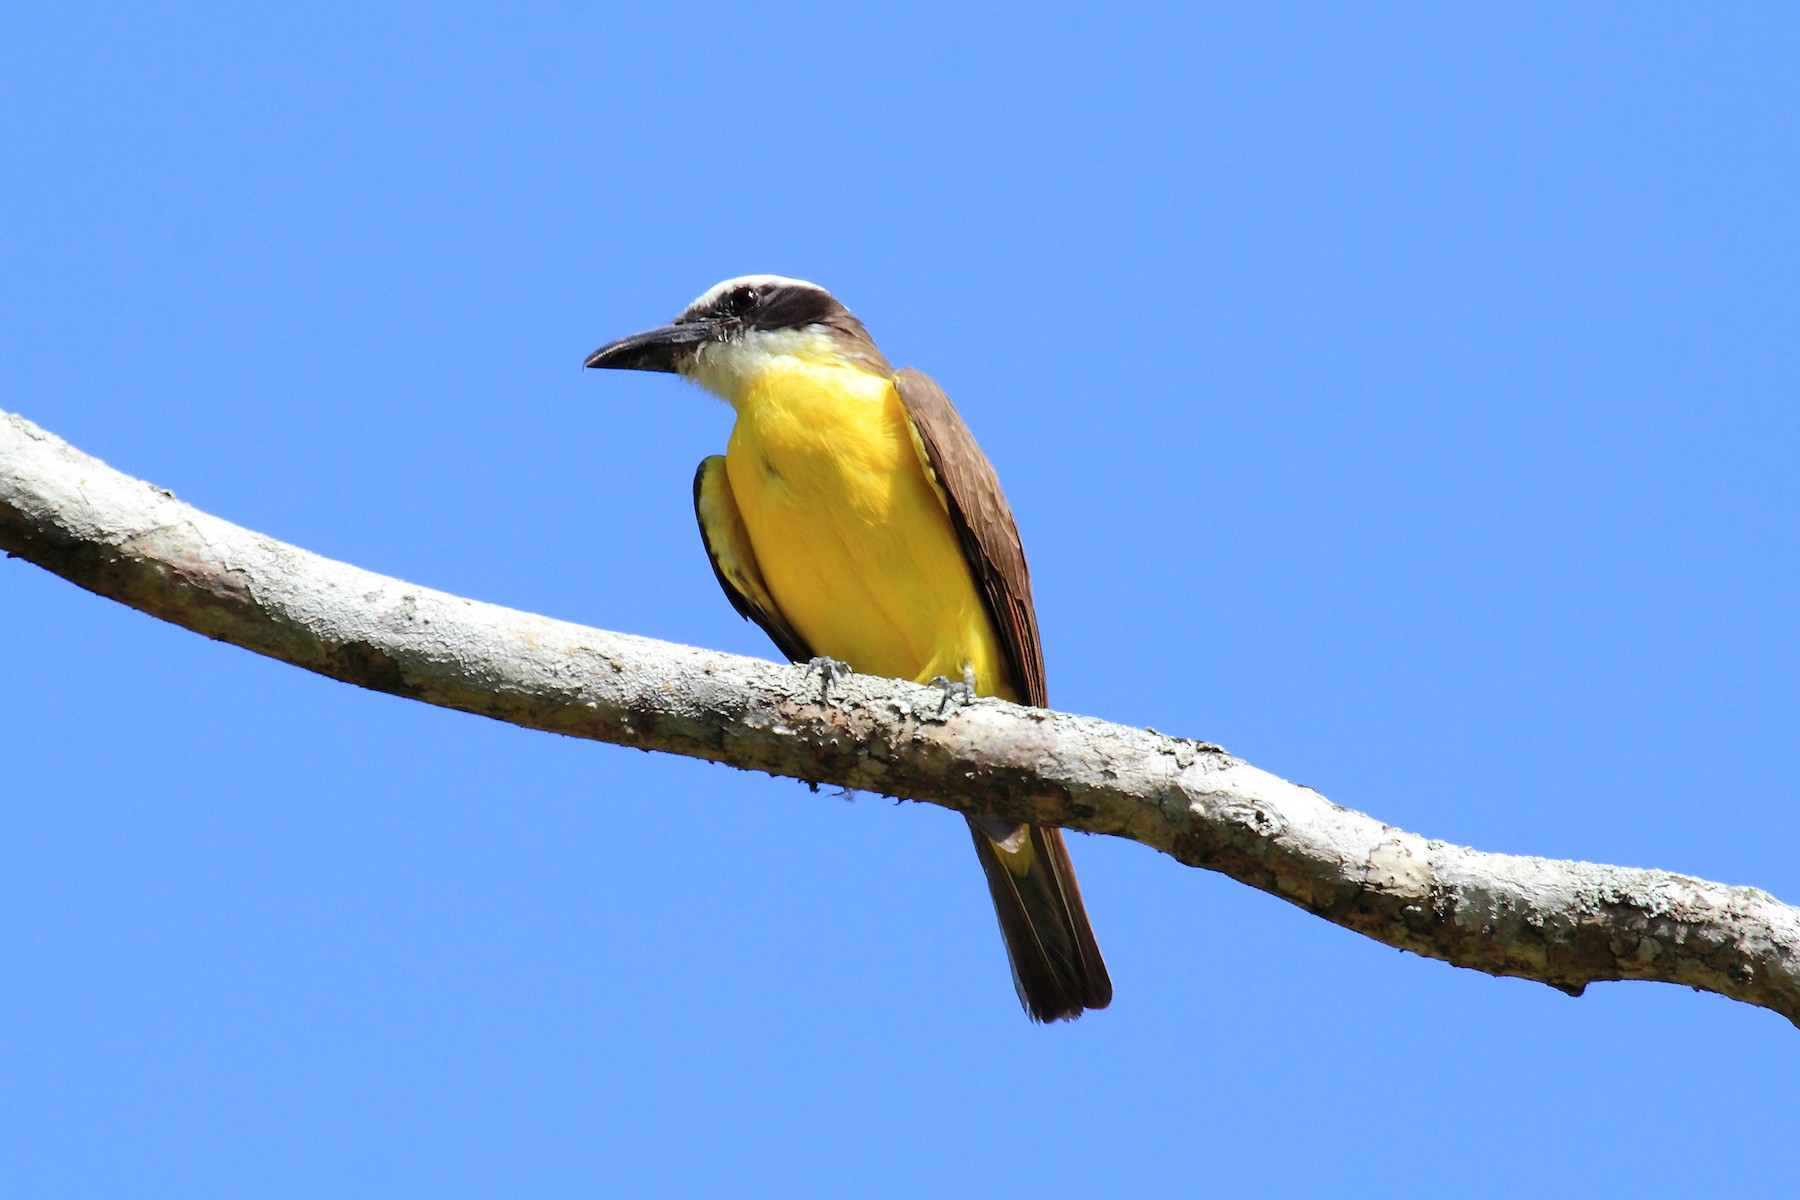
<point>734,561</point>
<point>1056,962</point>
<point>984,522</point>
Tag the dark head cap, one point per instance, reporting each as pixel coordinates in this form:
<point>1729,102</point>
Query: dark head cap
<point>739,309</point>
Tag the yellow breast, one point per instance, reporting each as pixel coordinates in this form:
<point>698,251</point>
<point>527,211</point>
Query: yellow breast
<point>854,542</point>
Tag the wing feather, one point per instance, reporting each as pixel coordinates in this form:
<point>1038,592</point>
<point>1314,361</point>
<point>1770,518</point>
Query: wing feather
<point>984,522</point>
<point>734,560</point>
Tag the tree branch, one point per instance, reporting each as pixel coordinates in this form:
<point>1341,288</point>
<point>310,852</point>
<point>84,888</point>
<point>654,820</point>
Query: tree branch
<point>1566,924</point>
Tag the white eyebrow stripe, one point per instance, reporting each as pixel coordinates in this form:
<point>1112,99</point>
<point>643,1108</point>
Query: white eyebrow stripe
<point>711,295</point>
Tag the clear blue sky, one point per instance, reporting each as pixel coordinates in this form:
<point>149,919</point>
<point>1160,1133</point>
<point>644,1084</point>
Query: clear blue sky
<point>1404,399</point>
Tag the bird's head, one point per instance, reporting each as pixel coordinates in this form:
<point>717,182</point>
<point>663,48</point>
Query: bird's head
<point>738,329</point>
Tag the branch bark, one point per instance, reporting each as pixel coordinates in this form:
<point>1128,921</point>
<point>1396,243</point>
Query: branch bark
<point>1566,924</point>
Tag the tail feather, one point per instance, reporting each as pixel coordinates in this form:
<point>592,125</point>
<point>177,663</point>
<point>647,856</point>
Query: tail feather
<point>1056,963</point>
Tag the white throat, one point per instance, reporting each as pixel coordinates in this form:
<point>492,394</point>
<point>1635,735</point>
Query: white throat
<point>729,369</point>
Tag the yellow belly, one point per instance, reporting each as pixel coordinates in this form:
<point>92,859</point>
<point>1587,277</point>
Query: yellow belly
<point>854,543</point>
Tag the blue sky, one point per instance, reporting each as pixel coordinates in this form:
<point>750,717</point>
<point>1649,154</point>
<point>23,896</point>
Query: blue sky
<point>1403,399</point>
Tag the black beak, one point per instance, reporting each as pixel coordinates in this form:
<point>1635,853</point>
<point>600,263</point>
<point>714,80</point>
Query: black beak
<point>654,349</point>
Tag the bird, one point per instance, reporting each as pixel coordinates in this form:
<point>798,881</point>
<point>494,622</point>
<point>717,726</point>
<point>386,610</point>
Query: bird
<point>854,518</point>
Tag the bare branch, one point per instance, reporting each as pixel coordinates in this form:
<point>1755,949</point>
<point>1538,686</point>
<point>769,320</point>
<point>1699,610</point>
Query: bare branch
<point>1566,924</point>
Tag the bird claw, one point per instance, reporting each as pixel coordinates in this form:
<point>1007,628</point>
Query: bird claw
<point>830,671</point>
<point>962,689</point>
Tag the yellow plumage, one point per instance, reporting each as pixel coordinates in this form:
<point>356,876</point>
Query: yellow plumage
<point>853,539</point>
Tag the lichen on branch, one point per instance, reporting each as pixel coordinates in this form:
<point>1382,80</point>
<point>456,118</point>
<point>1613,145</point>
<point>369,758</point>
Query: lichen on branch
<point>1566,924</point>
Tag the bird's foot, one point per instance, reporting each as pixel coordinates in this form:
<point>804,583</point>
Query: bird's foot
<point>962,689</point>
<point>830,671</point>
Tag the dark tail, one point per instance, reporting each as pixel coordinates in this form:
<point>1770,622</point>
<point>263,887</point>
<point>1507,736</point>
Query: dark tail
<point>1056,963</point>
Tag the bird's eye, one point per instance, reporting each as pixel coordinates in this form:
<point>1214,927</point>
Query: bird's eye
<point>744,299</point>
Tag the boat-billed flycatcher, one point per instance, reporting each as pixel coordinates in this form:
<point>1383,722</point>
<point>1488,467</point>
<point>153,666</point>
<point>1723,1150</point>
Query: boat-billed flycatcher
<point>853,517</point>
